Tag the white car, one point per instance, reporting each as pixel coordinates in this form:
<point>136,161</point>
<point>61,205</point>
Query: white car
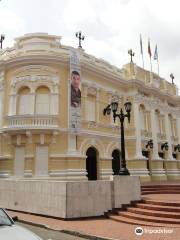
<point>10,231</point>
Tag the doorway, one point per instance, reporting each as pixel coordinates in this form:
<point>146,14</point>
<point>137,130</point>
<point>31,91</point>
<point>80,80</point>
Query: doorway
<point>91,163</point>
<point>116,161</point>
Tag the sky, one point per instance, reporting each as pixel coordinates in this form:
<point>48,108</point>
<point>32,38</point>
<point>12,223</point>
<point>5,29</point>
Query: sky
<point>111,27</point>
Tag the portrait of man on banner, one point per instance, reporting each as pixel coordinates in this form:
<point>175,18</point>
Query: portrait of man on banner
<point>75,89</point>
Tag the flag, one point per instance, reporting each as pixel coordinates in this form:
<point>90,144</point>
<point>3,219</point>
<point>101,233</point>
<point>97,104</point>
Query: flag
<point>149,49</point>
<point>156,53</point>
<point>141,46</point>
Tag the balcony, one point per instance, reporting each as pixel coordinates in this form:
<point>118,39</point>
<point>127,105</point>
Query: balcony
<point>32,122</point>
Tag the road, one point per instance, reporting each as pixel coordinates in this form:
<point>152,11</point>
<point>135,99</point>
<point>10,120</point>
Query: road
<point>47,234</point>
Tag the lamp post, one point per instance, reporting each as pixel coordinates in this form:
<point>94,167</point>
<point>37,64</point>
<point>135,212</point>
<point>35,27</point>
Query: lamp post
<point>80,37</point>
<point>1,40</point>
<point>131,53</point>
<point>165,146</point>
<point>172,77</point>
<point>177,147</point>
<point>150,144</point>
<point>113,107</point>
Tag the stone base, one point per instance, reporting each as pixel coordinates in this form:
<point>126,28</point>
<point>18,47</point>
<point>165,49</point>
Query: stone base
<point>65,199</point>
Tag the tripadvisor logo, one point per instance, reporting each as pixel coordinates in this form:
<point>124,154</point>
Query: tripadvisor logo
<point>138,231</point>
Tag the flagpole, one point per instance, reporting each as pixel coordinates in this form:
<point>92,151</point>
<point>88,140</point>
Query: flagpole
<point>151,64</point>
<point>142,61</point>
<point>150,54</point>
<point>142,55</point>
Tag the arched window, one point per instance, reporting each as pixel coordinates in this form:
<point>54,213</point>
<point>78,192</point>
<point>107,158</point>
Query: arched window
<point>24,101</point>
<point>42,105</point>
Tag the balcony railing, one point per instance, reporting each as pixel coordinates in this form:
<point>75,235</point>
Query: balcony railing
<point>161,136</point>
<point>146,133</point>
<point>32,121</point>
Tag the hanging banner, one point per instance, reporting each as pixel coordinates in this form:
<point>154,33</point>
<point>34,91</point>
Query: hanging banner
<point>75,91</point>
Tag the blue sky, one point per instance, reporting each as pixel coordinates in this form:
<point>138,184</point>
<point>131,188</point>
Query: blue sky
<point>111,27</point>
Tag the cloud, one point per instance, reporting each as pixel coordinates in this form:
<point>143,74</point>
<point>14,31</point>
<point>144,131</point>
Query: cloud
<point>110,27</point>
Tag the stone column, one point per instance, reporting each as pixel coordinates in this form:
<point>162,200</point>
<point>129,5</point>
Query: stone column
<point>138,131</point>
<point>97,106</point>
<point>154,130</point>
<point>168,137</point>
<point>178,129</point>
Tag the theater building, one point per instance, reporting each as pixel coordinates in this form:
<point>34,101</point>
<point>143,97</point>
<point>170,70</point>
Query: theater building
<point>36,139</point>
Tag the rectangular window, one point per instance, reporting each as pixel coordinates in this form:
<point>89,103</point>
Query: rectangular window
<point>24,103</point>
<point>42,104</point>
<point>91,111</point>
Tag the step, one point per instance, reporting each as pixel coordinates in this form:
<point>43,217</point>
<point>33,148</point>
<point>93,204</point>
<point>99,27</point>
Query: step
<point>149,218</point>
<point>161,203</point>
<point>157,189</point>
<point>161,192</point>
<point>160,189</point>
<point>163,185</point>
<point>154,213</point>
<point>160,185</point>
<point>137,222</point>
<point>158,207</point>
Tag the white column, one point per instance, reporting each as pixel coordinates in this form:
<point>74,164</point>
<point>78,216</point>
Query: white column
<point>178,129</point>
<point>1,107</point>
<point>154,129</point>
<point>138,131</point>
<point>54,104</point>
<point>168,137</point>
<point>97,106</point>
<point>32,103</point>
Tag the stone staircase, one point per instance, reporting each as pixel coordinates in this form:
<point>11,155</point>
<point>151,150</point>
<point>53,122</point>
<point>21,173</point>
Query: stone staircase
<point>149,211</point>
<point>160,189</point>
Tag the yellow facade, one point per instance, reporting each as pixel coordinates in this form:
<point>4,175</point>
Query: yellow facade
<point>35,140</point>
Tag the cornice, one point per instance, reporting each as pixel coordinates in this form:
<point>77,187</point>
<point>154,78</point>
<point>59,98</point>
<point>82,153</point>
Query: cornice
<point>91,64</point>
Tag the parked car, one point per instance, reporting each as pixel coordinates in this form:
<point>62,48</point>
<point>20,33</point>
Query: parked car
<point>11,231</point>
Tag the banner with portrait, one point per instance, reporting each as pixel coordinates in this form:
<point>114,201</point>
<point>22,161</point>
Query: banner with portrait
<point>75,91</point>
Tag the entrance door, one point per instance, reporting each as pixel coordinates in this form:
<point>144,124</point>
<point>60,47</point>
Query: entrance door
<point>91,163</point>
<point>41,166</point>
<point>19,162</point>
<point>116,161</point>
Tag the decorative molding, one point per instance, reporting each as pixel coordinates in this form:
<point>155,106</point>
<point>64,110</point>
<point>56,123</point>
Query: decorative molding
<point>34,75</point>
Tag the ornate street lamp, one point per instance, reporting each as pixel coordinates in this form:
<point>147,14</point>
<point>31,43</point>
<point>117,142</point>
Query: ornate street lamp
<point>114,107</point>
<point>1,40</point>
<point>165,146</point>
<point>131,53</point>
<point>80,37</point>
<point>150,144</point>
<point>177,147</point>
